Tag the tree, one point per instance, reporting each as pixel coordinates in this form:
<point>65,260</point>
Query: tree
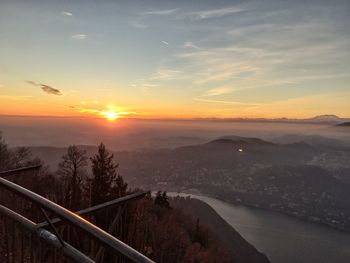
<point>72,169</point>
<point>22,156</point>
<point>5,155</point>
<point>162,200</point>
<point>119,187</point>
<point>15,158</point>
<point>104,173</point>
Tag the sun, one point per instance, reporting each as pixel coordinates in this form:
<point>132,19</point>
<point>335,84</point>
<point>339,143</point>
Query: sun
<point>110,115</point>
<point>110,112</point>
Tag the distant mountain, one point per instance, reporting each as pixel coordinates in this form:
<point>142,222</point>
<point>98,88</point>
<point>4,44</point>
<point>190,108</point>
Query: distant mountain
<point>325,118</point>
<point>228,153</point>
<point>321,119</point>
<point>344,124</point>
<point>319,142</point>
<point>247,140</point>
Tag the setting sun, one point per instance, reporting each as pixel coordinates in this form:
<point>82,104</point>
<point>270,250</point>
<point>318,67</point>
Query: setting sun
<point>110,115</point>
<point>108,112</point>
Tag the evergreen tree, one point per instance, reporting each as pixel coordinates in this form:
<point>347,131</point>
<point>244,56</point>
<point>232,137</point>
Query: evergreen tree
<point>162,200</point>
<point>104,173</point>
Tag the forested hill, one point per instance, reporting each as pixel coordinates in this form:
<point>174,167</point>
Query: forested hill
<point>240,250</point>
<point>150,225</point>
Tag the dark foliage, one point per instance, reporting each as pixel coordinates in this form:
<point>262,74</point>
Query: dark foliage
<point>149,225</point>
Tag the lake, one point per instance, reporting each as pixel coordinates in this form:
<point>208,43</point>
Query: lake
<point>282,238</point>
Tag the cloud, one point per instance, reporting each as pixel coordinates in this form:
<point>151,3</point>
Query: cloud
<point>150,85</point>
<point>165,43</point>
<point>51,90</point>
<point>160,12</point>
<point>79,36</point>
<point>165,74</point>
<point>263,54</point>
<point>238,103</point>
<point>65,13</point>
<point>139,25</point>
<point>105,111</point>
<point>215,12</point>
<point>217,64</point>
<point>46,88</point>
<point>218,91</point>
<point>189,44</point>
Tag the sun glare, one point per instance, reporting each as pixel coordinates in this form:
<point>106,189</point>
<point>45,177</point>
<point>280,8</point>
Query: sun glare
<point>109,112</point>
<point>110,115</point>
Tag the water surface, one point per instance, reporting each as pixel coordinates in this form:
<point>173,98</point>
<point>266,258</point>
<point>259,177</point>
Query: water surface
<point>282,238</point>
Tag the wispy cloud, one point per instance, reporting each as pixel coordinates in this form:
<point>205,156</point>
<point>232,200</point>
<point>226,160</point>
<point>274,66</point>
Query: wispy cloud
<point>218,91</point>
<point>262,56</point>
<point>238,103</point>
<point>165,43</point>
<point>66,13</point>
<point>150,85</point>
<point>139,25</point>
<point>165,74</point>
<point>215,12</point>
<point>144,87</point>
<point>105,111</point>
<point>79,36</point>
<point>189,44</point>
<point>216,64</point>
<point>46,88</point>
<point>159,12</point>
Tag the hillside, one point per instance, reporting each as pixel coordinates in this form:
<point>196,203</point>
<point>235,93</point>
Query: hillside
<point>316,141</point>
<point>149,225</point>
<point>240,250</point>
<point>170,223</point>
<point>250,171</point>
<point>344,124</point>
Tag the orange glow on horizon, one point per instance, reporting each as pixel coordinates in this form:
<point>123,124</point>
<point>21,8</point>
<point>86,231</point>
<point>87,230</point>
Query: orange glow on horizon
<point>110,115</point>
<point>108,112</point>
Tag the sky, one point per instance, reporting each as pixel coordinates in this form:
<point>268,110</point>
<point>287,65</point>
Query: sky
<point>175,59</point>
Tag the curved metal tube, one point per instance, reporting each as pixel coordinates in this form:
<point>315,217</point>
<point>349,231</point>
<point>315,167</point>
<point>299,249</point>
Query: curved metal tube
<point>47,236</point>
<point>99,207</point>
<point>23,169</point>
<point>105,238</point>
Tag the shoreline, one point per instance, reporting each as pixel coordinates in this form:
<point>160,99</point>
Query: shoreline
<point>196,192</point>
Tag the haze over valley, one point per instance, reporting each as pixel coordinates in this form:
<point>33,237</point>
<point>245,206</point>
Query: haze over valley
<point>174,131</point>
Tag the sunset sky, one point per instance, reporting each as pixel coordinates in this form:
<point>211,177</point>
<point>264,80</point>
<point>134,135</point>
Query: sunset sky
<point>175,59</point>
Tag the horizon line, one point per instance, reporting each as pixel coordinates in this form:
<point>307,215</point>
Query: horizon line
<point>266,119</point>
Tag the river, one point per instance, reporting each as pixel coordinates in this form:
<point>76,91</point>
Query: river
<point>282,238</point>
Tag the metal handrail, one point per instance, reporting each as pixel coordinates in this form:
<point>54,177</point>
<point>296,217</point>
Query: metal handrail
<point>17,170</point>
<point>99,207</point>
<point>115,244</point>
<point>47,236</point>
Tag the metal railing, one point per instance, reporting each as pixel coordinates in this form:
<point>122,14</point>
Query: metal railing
<point>46,236</point>
<point>117,246</point>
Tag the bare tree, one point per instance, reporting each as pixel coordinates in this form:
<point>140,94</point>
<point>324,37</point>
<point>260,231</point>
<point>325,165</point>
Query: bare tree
<point>4,154</point>
<point>72,169</point>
